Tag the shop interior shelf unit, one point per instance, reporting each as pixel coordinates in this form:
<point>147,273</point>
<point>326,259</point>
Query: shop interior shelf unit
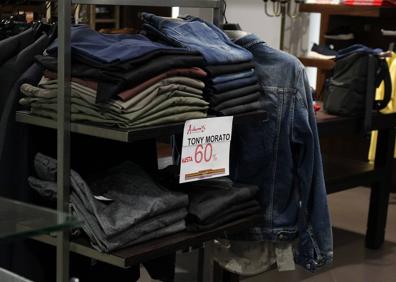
<point>64,127</point>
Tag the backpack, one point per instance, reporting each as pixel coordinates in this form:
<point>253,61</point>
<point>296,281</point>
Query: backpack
<point>351,89</point>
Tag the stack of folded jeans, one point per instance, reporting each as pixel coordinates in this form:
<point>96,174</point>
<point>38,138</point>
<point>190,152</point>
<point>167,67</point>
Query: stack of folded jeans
<point>213,202</point>
<point>232,85</point>
<point>125,80</point>
<point>119,208</point>
<point>219,201</point>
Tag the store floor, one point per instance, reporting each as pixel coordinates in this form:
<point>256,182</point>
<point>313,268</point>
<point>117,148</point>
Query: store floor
<point>352,261</point>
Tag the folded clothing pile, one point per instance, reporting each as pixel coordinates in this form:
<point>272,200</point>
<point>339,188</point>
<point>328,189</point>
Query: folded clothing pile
<point>214,202</point>
<point>120,207</point>
<point>232,86</point>
<point>125,80</point>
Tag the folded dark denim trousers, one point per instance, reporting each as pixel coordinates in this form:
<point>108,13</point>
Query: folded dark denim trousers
<point>218,98</point>
<point>216,70</point>
<point>111,83</point>
<point>241,109</point>
<point>161,225</point>
<point>234,84</point>
<point>220,194</point>
<point>102,49</point>
<point>232,76</point>
<point>129,188</point>
<point>236,212</point>
<point>198,35</point>
<point>240,101</point>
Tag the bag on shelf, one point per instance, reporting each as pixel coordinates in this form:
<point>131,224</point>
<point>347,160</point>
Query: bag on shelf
<point>351,89</point>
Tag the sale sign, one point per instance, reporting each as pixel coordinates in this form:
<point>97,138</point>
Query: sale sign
<point>206,148</point>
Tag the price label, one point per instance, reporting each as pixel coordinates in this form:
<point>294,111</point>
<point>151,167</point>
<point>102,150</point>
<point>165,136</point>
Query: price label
<point>206,148</point>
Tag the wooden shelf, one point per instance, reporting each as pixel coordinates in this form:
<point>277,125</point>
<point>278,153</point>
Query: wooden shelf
<point>155,248</point>
<point>344,10</point>
<point>331,125</point>
<point>341,174</point>
<point>317,63</point>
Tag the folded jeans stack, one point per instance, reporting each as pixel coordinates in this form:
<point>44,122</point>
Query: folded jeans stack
<point>213,202</point>
<point>122,74</point>
<point>219,201</point>
<point>119,208</point>
<point>232,86</point>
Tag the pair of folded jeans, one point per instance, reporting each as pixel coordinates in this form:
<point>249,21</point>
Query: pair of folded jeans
<point>98,48</point>
<point>232,76</point>
<point>196,35</point>
<point>158,226</point>
<point>216,70</point>
<point>240,109</point>
<point>123,203</point>
<point>234,213</point>
<point>234,84</point>
<point>218,98</point>
<point>240,101</point>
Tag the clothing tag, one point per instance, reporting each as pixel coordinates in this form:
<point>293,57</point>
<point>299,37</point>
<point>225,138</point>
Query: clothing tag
<point>284,256</point>
<point>103,199</point>
<point>206,148</point>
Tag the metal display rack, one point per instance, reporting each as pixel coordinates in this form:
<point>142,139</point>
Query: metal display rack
<point>134,254</point>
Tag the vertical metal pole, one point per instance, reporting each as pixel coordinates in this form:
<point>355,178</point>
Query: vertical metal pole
<point>63,134</point>
<point>218,13</point>
<point>283,25</point>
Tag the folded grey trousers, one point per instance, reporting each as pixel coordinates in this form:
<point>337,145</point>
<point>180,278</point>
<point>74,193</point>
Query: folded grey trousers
<point>161,225</point>
<point>128,187</point>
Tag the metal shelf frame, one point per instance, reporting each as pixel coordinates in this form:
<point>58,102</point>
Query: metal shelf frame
<point>64,93</point>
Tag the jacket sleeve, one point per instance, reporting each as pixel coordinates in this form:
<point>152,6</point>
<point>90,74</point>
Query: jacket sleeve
<point>315,246</point>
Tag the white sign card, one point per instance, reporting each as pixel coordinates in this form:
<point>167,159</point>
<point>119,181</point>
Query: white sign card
<point>206,148</point>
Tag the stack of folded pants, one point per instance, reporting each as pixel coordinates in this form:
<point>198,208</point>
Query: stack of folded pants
<point>213,202</point>
<point>232,85</point>
<point>127,79</point>
<point>219,201</point>
<point>120,207</point>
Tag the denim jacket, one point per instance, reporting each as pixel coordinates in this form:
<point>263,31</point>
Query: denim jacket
<point>282,156</point>
<point>195,34</point>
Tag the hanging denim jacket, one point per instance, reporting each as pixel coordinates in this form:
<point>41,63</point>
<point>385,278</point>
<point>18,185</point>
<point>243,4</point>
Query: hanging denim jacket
<point>282,156</point>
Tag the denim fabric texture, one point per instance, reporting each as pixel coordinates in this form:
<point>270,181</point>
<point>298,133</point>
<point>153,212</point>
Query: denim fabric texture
<point>234,84</point>
<point>233,76</point>
<point>216,70</point>
<point>286,161</point>
<point>232,94</point>
<point>243,100</point>
<point>103,48</point>
<point>197,35</point>
<point>137,208</point>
